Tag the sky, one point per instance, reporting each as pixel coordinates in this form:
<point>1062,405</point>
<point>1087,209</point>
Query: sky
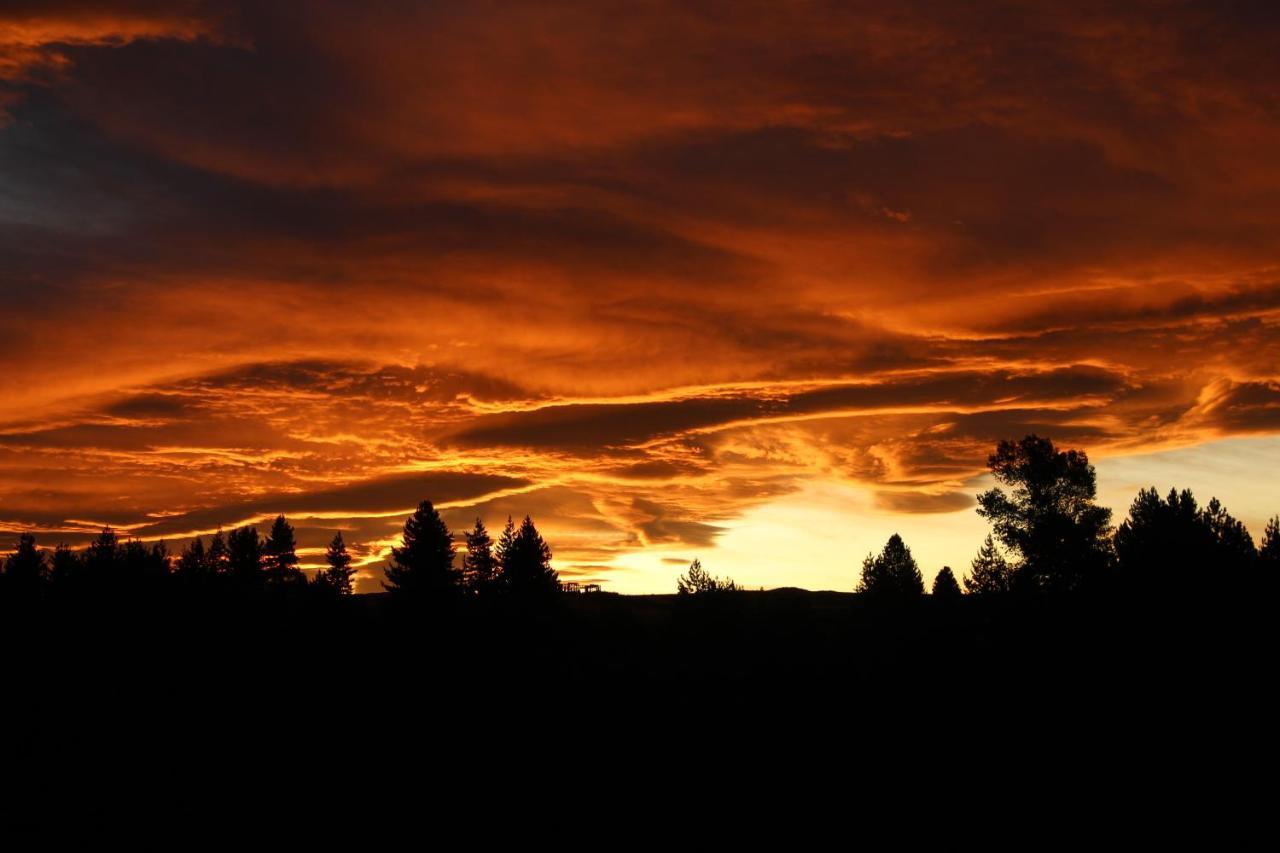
<point>759,283</point>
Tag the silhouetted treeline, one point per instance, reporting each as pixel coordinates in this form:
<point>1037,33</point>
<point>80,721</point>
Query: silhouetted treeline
<point>1048,538</point>
<point>241,563</point>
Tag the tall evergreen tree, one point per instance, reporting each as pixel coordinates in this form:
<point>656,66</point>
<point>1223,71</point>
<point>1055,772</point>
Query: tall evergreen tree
<point>893,573</point>
<point>1235,555</point>
<point>338,576</point>
<point>280,554</point>
<point>479,567</point>
<point>24,570</point>
<point>527,568</point>
<point>64,571</point>
<point>193,564</point>
<point>989,573</point>
<point>217,557</point>
<point>244,556</point>
<point>504,551</point>
<point>945,585</point>
<point>1269,553</point>
<point>1171,546</point>
<point>423,564</point>
<point>101,561</point>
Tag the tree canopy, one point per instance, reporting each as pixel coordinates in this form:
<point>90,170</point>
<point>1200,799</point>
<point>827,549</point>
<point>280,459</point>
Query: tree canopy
<point>1048,518</point>
<point>423,562</point>
<point>891,573</point>
<point>697,581</point>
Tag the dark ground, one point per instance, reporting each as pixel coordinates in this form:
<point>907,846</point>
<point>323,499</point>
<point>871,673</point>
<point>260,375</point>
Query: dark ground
<point>285,697</point>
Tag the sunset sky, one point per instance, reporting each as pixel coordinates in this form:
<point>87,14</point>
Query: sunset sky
<point>760,283</point>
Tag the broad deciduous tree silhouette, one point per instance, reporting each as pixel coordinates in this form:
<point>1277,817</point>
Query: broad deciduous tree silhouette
<point>945,585</point>
<point>697,581</point>
<point>989,573</point>
<point>423,564</point>
<point>892,573</point>
<point>339,574</point>
<point>1048,518</point>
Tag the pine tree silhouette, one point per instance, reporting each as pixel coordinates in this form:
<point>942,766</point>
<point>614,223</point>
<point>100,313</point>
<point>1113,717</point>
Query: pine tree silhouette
<point>1269,553</point>
<point>244,557</point>
<point>24,570</point>
<point>338,576</point>
<point>945,585</point>
<point>423,564</point>
<point>526,564</point>
<point>280,557</point>
<point>892,573</point>
<point>479,567</point>
<point>989,573</point>
<point>697,581</point>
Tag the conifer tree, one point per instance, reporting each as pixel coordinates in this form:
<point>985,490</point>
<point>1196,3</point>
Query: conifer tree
<point>989,573</point>
<point>280,557</point>
<point>479,567</point>
<point>24,570</point>
<point>698,581</point>
<point>945,585</point>
<point>216,557</point>
<point>892,573</point>
<point>244,556</point>
<point>1269,553</point>
<point>504,552</point>
<point>339,574</point>
<point>64,571</point>
<point>193,563</point>
<point>423,564</point>
<point>527,568</point>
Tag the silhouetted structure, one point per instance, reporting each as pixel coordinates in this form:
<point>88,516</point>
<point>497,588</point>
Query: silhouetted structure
<point>423,564</point>
<point>1048,518</point>
<point>892,573</point>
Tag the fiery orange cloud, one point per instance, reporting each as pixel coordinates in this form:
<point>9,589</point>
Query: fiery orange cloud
<point>642,270</point>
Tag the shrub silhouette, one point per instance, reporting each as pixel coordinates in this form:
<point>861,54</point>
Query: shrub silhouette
<point>696,581</point>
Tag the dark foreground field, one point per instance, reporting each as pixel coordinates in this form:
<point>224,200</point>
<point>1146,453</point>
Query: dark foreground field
<point>188,697</point>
